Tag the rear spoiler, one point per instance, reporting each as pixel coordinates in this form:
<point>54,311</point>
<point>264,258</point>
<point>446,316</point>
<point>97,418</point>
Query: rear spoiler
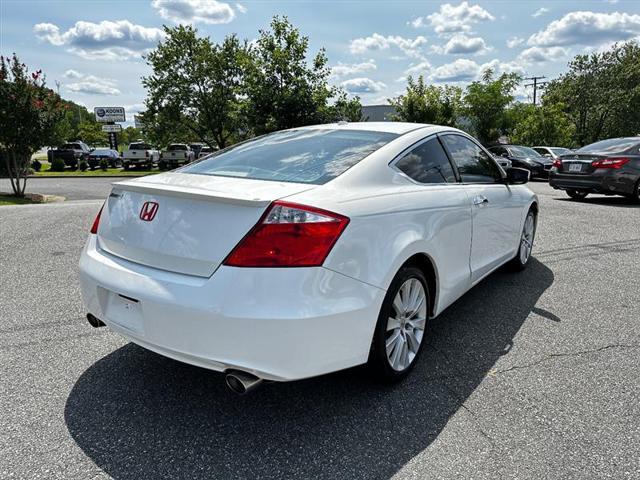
<point>190,192</point>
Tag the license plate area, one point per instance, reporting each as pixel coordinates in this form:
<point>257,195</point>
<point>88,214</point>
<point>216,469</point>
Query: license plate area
<point>125,312</point>
<point>575,167</point>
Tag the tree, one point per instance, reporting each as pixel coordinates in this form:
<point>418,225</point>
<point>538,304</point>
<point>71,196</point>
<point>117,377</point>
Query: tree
<point>344,108</point>
<point>543,125</point>
<point>29,113</point>
<point>91,133</point>
<point>423,103</point>
<point>194,88</point>
<point>601,93</point>
<point>486,102</point>
<point>282,90</point>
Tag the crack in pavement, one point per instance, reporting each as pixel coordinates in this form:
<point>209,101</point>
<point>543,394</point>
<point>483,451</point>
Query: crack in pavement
<point>553,356</point>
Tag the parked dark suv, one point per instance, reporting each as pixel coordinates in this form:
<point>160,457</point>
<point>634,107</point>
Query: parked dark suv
<point>611,167</point>
<point>524,157</point>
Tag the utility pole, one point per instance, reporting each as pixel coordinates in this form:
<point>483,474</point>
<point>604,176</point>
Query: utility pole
<point>536,85</point>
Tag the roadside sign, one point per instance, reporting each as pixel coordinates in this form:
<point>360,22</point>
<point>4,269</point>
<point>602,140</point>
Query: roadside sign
<point>109,114</point>
<point>137,121</point>
<point>112,128</point>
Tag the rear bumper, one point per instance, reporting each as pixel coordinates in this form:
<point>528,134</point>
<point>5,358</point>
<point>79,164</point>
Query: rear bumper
<point>136,161</point>
<point>600,181</point>
<point>279,324</point>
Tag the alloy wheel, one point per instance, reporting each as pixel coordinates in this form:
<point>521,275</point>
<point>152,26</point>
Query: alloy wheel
<point>526,241</point>
<point>405,327</point>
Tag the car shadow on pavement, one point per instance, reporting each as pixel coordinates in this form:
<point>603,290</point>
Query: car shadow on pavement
<point>139,415</point>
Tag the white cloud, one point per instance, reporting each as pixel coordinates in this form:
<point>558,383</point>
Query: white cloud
<point>107,40</point>
<point>410,47</point>
<point>362,85</point>
<point>195,11</point>
<point>454,18</point>
<point>543,54</point>
<point>514,42</point>
<point>587,28</point>
<point>463,44</point>
<point>241,8</point>
<point>466,70</point>
<point>461,70</point>
<point>541,11</point>
<point>418,68</point>
<point>90,84</point>
<point>343,69</point>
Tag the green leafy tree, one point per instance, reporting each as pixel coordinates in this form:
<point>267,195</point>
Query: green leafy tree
<point>29,113</point>
<point>423,103</point>
<point>344,108</point>
<point>91,133</point>
<point>543,125</point>
<point>283,90</point>
<point>486,102</point>
<point>601,93</point>
<point>194,88</point>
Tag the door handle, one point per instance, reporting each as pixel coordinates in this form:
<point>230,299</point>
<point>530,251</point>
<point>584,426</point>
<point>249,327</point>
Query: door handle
<point>480,200</point>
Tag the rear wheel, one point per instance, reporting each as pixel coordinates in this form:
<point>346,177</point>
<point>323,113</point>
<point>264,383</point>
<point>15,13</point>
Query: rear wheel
<point>125,165</point>
<point>635,196</point>
<point>521,260</point>
<point>398,337</point>
<point>577,194</point>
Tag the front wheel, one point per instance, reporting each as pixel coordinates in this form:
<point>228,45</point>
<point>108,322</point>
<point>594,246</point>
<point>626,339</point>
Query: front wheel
<point>521,260</point>
<point>398,337</point>
<point>577,194</point>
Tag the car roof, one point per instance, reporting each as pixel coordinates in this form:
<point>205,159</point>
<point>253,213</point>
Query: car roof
<point>399,128</point>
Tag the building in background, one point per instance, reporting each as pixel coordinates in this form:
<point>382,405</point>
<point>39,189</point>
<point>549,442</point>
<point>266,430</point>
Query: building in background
<point>378,113</point>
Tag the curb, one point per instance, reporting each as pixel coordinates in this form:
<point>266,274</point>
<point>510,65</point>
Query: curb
<point>38,197</point>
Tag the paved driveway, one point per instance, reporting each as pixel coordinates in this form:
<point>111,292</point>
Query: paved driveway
<point>531,375</point>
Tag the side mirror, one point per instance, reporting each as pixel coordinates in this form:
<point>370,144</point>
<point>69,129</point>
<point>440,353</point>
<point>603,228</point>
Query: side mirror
<point>517,176</point>
<point>548,155</point>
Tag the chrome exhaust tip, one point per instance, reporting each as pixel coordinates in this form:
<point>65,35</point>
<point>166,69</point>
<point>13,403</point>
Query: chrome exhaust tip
<point>242,382</point>
<point>94,322</point>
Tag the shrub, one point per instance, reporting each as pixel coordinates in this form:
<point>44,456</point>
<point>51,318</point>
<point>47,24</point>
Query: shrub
<point>83,165</point>
<point>57,165</point>
<point>36,165</point>
<point>104,164</point>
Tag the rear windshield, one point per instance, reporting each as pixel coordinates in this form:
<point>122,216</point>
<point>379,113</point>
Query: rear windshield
<point>176,147</point>
<point>71,146</point>
<point>613,145</point>
<point>523,152</point>
<point>312,156</point>
<point>140,146</point>
<point>101,151</point>
<point>560,151</point>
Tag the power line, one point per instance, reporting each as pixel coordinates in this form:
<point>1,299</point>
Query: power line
<point>536,85</point>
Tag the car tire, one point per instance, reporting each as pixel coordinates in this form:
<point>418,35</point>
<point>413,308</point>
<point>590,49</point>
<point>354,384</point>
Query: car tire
<point>525,247</point>
<point>635,196</point>
<point>398,338</point>
<point>577,194</point>
<point>125,165</point>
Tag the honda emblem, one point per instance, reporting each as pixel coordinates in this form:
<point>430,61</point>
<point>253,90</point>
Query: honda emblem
<point>148,211</point>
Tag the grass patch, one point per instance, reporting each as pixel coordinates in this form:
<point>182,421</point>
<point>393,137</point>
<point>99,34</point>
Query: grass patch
<point>46,172</point>
<point>11,200</point>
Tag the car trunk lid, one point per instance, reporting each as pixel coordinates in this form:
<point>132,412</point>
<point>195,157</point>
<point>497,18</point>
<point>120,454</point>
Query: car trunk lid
<point>182,222</point>
<point>578,164</point>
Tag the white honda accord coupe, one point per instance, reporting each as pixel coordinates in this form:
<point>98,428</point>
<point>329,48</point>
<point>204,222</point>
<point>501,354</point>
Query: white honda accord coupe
<point>305,251</point>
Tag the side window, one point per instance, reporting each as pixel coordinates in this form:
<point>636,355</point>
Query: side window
<point>498,150</point>
<point>427,163</point>
<point>473,163</point>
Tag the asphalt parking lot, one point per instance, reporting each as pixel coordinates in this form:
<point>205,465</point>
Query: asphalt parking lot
<point>530,375</point>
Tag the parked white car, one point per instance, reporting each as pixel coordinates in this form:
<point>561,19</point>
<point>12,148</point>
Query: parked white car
<point>140,154</point>
<point>306,251</point>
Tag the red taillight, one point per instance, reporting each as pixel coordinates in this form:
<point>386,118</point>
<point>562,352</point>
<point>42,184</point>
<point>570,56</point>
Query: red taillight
<point>96,222</point>
<point>557,163</point>
<point>612,162</point>
<point>289,235</point>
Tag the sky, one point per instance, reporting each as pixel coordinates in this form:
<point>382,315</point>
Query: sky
<point>93,49</point>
